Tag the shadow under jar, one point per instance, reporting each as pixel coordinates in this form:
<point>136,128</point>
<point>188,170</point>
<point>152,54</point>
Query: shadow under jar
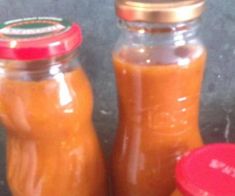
<point>46,106</point>
<point>159,65</point>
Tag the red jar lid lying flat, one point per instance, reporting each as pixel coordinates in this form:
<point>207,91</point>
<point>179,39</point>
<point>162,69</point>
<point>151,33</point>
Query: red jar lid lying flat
<point>208,171</point>
<point>38,38</point>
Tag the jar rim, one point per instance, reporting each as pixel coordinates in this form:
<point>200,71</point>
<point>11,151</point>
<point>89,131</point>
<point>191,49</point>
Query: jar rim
<point>160,11</point>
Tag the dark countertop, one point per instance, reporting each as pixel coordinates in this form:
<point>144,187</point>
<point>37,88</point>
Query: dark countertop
<point>217,117</point>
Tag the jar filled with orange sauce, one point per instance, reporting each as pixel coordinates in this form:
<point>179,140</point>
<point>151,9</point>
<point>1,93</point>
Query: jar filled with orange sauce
<point>46,106</point>
<point>159,62</point>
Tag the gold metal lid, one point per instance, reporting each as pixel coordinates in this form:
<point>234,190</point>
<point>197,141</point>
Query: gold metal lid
<point>160,11</point>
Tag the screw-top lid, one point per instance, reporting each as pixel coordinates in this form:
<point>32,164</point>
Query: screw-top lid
<point>161,11</point>
<point>208,171</point>
<point>38,38</point>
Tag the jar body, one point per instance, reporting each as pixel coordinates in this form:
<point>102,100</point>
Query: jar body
<point>52,148</point>
<point>159,70</point>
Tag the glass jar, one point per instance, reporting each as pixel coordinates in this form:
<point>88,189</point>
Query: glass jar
<point>207,171</point>
<point>159,65</point>
<point>46,106</point>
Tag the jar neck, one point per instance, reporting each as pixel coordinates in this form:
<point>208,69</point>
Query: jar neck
<point>38,69</point>
<point>172,32</point>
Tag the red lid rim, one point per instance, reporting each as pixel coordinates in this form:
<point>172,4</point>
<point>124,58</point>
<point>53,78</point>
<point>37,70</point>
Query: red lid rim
<point>182,182</point>
<point>42,47</point>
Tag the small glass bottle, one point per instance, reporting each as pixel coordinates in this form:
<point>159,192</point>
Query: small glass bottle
<point>159,62</point>
<point>207,171</point>
<point>46,106</point>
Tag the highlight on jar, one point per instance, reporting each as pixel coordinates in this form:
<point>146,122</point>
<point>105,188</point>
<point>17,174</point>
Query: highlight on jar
<point>46,107</point>
<point>209,170</point>
<point>159,61</point>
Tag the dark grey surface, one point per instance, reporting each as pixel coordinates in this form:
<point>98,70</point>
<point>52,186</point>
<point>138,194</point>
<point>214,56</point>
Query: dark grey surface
<point>97,18</point>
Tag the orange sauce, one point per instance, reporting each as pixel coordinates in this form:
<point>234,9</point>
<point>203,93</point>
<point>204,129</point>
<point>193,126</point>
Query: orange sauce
<point>176,193</point>
<point>158,117</point>
<point>52,149</point>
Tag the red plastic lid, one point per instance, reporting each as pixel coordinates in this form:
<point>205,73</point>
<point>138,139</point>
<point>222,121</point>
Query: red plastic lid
<point>208,171</point>
<point>38,38</point>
